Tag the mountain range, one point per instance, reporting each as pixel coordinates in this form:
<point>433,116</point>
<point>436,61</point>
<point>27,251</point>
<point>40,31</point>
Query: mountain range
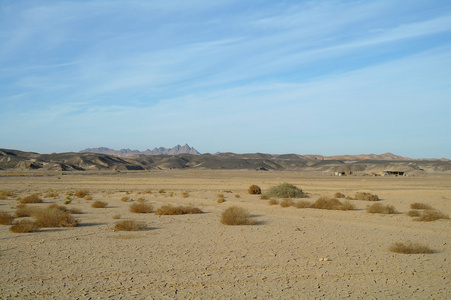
<point>85,161</point>
<point>156,151</point>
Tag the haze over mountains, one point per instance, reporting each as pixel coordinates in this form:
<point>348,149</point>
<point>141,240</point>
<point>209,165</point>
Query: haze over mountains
<point>183,157</point>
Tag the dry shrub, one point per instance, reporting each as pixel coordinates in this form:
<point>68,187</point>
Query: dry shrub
<point>237,196</point>
<point>410,248</point>
<point>431,215</point>
<point>177,210</point>
<point>220,200</point>
<point>6,194</point>
<point>141,208</point>
<point>378,208</point>
<point>34,198</point>
<point>53,217</point>
<point>302,204</point>
<point>366,196</point>
<point>327,203</point>
<point>24,210</point>
<point>413,213</point>
<point>148,191</point>
<point>24,226</point>
<point>130,225</point>
<point>185,194</point>
<point>220,195</point>
<point>72,210</point>
<point>254,190</point>
<point>264,197</point>
<point>81,193</point>
<point>286,190</point>
<point>162,191</point>
<point>347,206</point>
<point>141,200</point>
<point>339,195</point>
<point>418,205</point>
<point>88,197</point>
<point>118,216</point>
<point>6,218</point>
<point>286,202</point>
<point>125,199</point>
<point>51,195</point>
<point>273,202</point>
<point>235,215</point>
<point>99,204</point>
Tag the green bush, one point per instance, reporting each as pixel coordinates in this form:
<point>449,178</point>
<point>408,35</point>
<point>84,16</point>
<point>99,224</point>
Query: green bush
<point>286,190</point>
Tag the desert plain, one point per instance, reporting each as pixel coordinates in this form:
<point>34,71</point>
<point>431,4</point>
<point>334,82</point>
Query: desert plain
<point>289,253</point>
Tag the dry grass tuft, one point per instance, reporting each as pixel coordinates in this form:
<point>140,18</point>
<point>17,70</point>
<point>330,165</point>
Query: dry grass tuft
<point>130,225</point>
<point>235,215</point>
<point>347,206</point>
<point>141,208</point>
<point>125,199</point>
<point>302,204</point>
<point>81,193</point>
<point>431,215</point>
<point>339,195</point>
<point>24,226</point>
<point>273,202</point>
<point>378,208</point>
<point>327,203</point>
<point>286,202</point>
<point>161,191</point>
<point>53,217</point>
<point>418,205</point>
<point>89,197</point>
<point>72,210</point>
<point>51,195</point>
<point>6,218</point>
<point>366,196</point>
<point>23,210</point>
<point>237,196</point>
<point>413,213</point>
<point>99,204</point>
<point>5,194</point>
<point>264,197</point>
<point>141,200</point>
<point>254,190</point>
<point>34,198</point>
<point>116,217</point>
<point>185,194</point>
<point>410,248</point>
<point>220,200</point>
<point>286,190</point>
<point>220,195</point>
<point>177,210</point>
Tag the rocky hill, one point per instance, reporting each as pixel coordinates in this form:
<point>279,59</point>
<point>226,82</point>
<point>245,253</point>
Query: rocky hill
<point>19,160</point>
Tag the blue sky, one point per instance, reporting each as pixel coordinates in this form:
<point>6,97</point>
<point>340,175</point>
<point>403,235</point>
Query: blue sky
<point>306,77</point>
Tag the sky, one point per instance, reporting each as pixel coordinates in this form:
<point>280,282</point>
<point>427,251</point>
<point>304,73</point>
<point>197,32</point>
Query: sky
<point>305,77</point>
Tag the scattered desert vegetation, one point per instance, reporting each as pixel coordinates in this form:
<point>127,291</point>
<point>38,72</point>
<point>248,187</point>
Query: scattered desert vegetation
<point>177,210</point>
<point>264,197</point>
<point>34,198</point>
<point>366,196</point>
<point>273,202</point>
<point>81,193</point>
<point>430,215</point>
<point>254,190</point>
<point>286,190</point>
<point>23,210</point>
<point>6,218</point>
<point>125,199</point>
<point>185,194</point>
<point>89,197</point>
<point>339,195</point>
<point>378,208</point>
<point>130,225</point>
<point>161,191</point>
<point>99,204</point>
<point>51,195</point>
<point>5,194</point>
<point>220,195</point>
<point>220,200</point>
<point>24,226</point>
<point>53,217</point>
<point>418,205</point>
<point>410,248</point>
<point>141,200</point>
<point>236,215</point>
<point>141,208</point>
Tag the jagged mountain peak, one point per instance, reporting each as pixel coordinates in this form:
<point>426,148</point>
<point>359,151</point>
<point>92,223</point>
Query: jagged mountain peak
<point>156,151</point>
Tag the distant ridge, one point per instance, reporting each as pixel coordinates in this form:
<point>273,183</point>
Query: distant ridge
<point>186,149</point>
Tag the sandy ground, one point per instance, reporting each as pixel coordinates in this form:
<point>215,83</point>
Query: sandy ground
<point>197,257</point>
